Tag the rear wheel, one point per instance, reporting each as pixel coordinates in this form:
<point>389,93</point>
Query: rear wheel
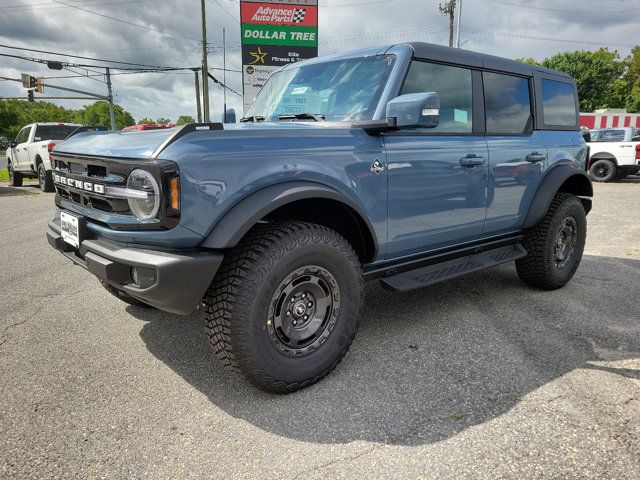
<point>554,245</point>
<point>285,305</point>
<point>45,179</point>
<point>15,178</point>
<point>603,170</point>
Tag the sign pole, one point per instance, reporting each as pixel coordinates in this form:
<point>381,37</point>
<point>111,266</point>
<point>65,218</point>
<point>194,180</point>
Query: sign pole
<point>110,100</point>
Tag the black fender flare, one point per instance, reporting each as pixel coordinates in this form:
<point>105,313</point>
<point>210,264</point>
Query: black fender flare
<point>235,223</point>
<point>577,182</point>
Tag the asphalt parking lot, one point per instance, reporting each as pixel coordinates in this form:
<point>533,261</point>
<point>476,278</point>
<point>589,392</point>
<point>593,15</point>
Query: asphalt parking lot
<point>479,377</point>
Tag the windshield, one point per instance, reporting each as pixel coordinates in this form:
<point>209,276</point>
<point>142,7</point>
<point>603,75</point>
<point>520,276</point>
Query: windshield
<point>54,132</point>
<point>609,135</point>
<point>340,90</point>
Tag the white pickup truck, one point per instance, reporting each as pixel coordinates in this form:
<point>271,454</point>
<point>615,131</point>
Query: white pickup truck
<point>615,153</point>
<point>29,156</point>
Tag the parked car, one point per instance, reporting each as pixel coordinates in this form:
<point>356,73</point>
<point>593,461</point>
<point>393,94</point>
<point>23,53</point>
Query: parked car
<point>376,164</point>
<point>147,126</point>
<point>29,155</point>
<point>615,153</point>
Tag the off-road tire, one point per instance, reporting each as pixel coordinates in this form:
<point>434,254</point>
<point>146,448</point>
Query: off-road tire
<point>239,305</point>
<point>124,296</point>
<point>45,179</point>
<point>540,267</point>
<point>603,170</point>
<point>15,178</point>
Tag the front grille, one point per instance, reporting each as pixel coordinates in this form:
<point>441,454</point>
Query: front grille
<point>95,173</point>
<point>85,180</point>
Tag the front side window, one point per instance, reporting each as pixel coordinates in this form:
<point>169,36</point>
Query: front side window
<point>340,90</point>
<point>23,136</point>
<point>507,104</point>
<point>453,86</point>
<point>558,104</point>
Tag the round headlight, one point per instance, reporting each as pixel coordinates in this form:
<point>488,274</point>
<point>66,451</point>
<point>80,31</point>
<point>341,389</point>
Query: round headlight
<point>146,206</point>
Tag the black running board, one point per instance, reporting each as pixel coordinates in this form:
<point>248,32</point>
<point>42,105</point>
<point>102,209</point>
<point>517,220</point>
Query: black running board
<point>446,270</point>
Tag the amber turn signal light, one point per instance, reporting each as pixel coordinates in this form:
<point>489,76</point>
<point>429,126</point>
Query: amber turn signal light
<point>174,193</point>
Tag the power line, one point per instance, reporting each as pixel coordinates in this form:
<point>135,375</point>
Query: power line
<point>47,6</point>
<point>126,22</point>
<point>586,12</point>
<point>490,33</point>
<point>227,12</point>
<point>79,56</point>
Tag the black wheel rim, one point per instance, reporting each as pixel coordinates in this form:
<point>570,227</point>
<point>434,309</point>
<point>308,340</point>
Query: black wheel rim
<point>565,244</point>
<point>303,311</point>
<point>601,170</point>
<point>41,176</point>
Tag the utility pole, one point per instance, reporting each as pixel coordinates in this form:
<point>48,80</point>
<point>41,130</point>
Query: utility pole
<point>110,100</point>
<point>458,26</point>
<point>224,75</point>
<point>449,8</point>
<point>205,65</point>
<point>195,72</point>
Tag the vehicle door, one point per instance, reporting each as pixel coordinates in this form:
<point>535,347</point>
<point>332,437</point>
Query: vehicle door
<point>517,153</point>
<point>437,176</point>
<point>20,153</point>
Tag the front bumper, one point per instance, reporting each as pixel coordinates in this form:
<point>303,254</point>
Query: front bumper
<point>177,280</point>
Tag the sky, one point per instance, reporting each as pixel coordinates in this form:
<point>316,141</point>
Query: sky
<point>167,33</point>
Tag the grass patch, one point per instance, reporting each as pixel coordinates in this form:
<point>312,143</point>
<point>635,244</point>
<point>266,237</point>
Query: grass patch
<point>4,177</point>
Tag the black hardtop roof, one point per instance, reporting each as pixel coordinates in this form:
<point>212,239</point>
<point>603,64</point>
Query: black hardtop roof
<point>458,56</point>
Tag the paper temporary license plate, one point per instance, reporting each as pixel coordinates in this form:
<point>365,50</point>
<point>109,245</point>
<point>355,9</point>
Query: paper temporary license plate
<point>70,227</point>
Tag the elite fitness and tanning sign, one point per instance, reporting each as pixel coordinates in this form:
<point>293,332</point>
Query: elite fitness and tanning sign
<point>275,33</point>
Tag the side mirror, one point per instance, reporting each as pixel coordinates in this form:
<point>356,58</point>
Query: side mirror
<point>13,144</point>
<point>415,110</point>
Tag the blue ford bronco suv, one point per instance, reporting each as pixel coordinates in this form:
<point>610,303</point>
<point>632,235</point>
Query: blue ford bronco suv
<point>410,164</point>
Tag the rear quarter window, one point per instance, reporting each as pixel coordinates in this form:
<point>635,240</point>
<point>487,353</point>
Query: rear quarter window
<point>558,104</point>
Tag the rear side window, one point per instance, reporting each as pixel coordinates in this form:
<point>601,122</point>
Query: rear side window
<point>558,104</point>
<point>507,102</point>
<point>453,85</point>
<point>607,135</point>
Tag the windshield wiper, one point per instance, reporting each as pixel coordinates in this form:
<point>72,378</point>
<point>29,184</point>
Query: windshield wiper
<point>252,118</point>
<point>301,116</point>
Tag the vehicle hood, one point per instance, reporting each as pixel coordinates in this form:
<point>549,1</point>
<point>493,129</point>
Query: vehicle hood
<point>140,145</point>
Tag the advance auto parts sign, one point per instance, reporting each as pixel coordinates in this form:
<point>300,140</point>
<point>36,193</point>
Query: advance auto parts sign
<point>275,33</point>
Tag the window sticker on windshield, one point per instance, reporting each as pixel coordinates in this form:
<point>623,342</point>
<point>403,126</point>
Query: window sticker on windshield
<point>460,116</point>
<point>299,90</point>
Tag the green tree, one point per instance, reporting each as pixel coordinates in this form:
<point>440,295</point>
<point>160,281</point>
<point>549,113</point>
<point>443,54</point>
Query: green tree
<point>98,114</point>
<point>162,121</point>
<point>596,74</point>
<point>631,81</point>
<point>15,114</point>
<point>145,121</point>
<point>184,119</point>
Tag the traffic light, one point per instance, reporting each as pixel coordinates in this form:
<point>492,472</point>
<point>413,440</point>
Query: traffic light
<point>28,81</point>
<point>30,95</point>
<point>39,85</point>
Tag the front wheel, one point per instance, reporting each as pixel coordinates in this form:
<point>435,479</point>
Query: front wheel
<point>555,244</point>
<point>284,307</point>
<point>45,179</point>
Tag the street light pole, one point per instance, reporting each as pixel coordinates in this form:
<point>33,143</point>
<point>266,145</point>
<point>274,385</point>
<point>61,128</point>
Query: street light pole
<point>205,65</point>
<point>224,75</point>
<point>199,109</point>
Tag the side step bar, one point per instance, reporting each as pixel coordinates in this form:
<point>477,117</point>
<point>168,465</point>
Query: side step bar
<point>439,272</point>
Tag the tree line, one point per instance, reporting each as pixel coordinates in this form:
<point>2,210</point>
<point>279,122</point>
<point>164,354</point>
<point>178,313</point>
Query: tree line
<point>15,114</point>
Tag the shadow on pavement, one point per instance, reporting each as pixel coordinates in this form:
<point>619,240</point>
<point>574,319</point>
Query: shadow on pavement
<point>7,191</point>
<point>430,363</point>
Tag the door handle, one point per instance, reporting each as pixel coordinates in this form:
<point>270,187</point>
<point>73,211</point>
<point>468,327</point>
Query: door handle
<point>471,161</point>
<point>536,157</point>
